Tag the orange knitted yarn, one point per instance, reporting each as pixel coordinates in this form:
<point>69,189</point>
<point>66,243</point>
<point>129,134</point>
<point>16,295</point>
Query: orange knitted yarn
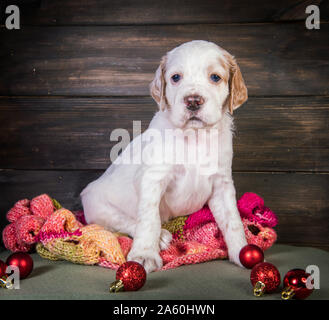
<point>64,237</point>
<point>106,241</point>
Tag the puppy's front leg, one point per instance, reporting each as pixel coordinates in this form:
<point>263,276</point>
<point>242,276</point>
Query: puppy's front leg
<point>145,248</point>
<point>223,206</point>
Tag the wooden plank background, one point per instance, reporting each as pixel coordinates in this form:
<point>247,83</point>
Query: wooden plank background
<point>150,12</point>
<point>276,59</point>
<point>272,134</point>
<point>76,70</point>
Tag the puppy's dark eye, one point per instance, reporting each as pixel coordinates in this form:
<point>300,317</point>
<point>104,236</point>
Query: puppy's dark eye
<point>176,77</point>
<point>215,77</point>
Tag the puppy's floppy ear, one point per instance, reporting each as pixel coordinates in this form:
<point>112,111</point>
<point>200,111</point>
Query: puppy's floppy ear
<point>238,90</point>
<point>158,85</point>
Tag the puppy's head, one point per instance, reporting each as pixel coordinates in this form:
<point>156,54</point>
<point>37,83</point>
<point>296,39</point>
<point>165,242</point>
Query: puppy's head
<point>196,83</point>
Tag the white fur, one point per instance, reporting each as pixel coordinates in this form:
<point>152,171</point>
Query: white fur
<point>137,198</point>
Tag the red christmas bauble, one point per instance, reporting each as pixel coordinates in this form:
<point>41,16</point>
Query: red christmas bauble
<point>23,261</point>
<point>265,277</point>
<point>250,255</point>
<point>295,285</point>
<point>130,276</point>
<point>3,268</point>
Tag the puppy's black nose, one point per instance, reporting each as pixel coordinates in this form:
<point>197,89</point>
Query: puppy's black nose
<point>193,102</point>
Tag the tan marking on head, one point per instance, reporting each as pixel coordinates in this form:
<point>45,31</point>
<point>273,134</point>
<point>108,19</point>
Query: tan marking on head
<point>238,90</point>
<point>158,85</point>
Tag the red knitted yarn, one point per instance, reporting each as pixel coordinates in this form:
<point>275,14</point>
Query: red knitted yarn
<point>19,209</point>
<point>42,206</point>
<point>27,228</point>
<point>10,240</point>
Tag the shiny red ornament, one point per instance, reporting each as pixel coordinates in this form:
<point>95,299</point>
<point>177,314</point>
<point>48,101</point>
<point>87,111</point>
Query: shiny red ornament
<point>3,268</point>
<point>295,285</point>
<point>250,255</point>
<point>23,261</point>
<point>264,277</point>
<point>130,276</point>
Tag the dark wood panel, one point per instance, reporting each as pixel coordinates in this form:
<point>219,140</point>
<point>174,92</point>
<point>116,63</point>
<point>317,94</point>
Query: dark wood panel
<point>105,12</point>
<point>276,59</point>
<point>276,134</point>
<point>300,200</point>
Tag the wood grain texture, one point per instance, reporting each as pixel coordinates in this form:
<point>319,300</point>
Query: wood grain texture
<point>276,134</point>
<point>275,59</point>
<point>300,200</point>
<point>118,12</point>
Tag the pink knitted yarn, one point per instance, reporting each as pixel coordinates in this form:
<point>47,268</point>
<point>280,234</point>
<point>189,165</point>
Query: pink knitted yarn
<point>199,217</point>
<point>27,217</point>
<point>207,234</point>
<point>125,244</point>
<point>45,236</point>
<point>265,216</point>
<point>27,228</point>
<point>60,220</point>
<point>181,253</point>
<point>42,206</point>
<point>10,240</point>
<point>20,208</point>
<point>251,206</point>
<point>248,202</point>
<point>263,237</point>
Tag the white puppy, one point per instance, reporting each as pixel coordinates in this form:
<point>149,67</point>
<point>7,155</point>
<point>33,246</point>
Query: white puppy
<point>197,86</point>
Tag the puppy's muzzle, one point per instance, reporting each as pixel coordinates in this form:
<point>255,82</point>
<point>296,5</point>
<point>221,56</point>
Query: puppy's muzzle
<point>193,102</point>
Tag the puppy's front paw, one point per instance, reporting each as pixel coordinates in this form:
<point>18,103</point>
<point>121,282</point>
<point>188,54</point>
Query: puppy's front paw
<point>234,252</point>
<point>234,257</point>
<point>148,258</point>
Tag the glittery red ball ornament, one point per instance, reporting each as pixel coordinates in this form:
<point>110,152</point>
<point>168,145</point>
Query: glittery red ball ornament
<point>130,276</point>
<point>264,277</point>
<point>295,285</point>
<point>23,261</point>
<point>250,255</point>
<point>3,268</point>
